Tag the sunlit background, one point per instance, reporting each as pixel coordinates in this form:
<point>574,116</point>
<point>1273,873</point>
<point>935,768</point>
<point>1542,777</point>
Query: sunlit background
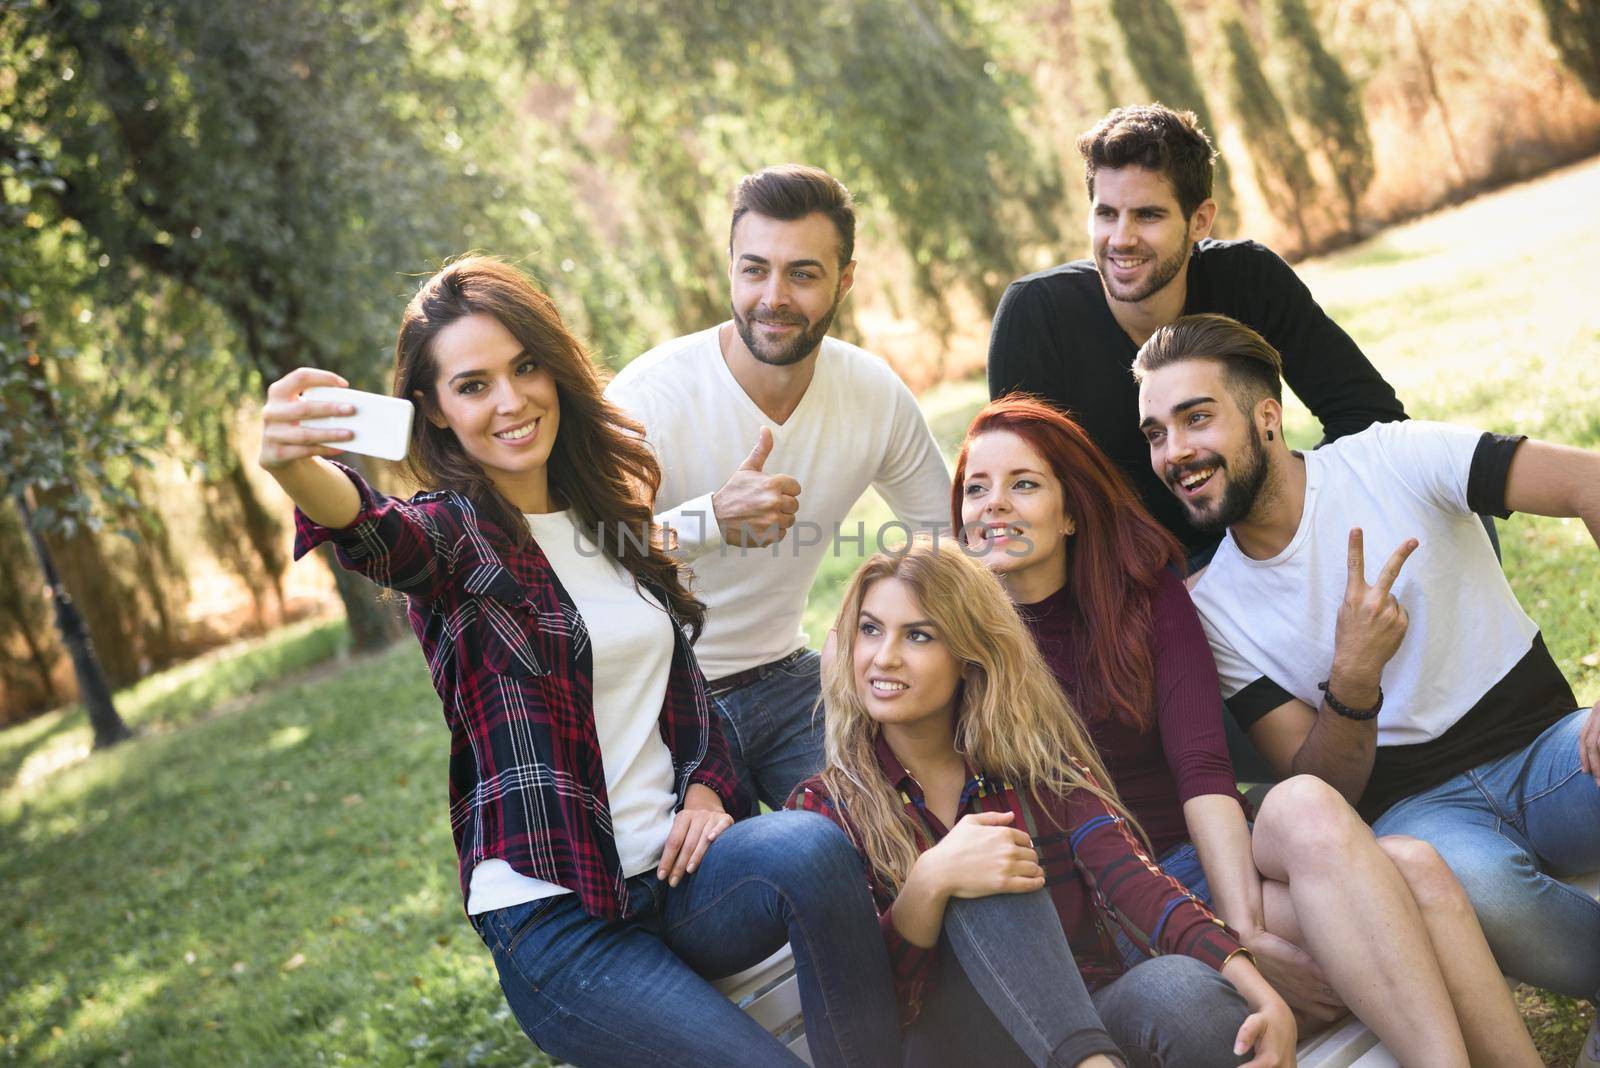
<point>198,196</point>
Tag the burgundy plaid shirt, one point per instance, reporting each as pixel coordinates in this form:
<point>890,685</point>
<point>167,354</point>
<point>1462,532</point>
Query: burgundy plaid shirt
<point>511,659</point>
<point>1097,873</point>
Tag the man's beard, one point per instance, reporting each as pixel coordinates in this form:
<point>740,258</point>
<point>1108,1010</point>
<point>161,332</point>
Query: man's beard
<point>1246,480</point>
<point>1161,274</point>
<point>793,350</point>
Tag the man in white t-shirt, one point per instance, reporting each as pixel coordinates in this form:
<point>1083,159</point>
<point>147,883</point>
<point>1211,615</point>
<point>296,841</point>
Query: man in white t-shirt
<point>1423,692</point>
<point>768,432</point>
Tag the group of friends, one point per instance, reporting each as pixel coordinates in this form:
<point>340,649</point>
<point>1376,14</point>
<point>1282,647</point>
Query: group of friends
<point>999,821</point>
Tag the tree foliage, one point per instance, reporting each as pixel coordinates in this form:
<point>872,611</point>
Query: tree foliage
<point>904,100</point>
<point>1158,50</point>
<point>1323,94</point>
<point>1575,30</point>
<point>1278,160</point>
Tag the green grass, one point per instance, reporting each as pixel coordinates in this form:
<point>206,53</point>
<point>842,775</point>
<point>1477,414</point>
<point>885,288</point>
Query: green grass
<point>270,887</point>
<point>265,875</point>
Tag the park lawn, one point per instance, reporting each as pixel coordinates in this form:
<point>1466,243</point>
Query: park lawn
<point>265,875</point>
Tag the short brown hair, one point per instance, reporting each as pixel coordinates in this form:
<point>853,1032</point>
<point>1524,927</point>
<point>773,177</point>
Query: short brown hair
<point>1253,367</point>
<point>1157,138</point>
<point>792,191</point>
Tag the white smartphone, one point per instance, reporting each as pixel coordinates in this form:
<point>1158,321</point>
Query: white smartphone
<point>382,424</point>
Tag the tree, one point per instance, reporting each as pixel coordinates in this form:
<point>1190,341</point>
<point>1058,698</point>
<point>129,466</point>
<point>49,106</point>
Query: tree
<point>1323,94</point>
<point>1575,30</point>
<point>51,426</point>
<point>1158,51</point>
<point>675,101</point>
<point>1279,162</point>
<point>236,153</point>
<point>93,691</point>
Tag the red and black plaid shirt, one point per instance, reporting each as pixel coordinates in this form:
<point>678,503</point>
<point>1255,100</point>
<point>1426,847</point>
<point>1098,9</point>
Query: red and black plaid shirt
<point>511,659</point>
<point>1097,872</point>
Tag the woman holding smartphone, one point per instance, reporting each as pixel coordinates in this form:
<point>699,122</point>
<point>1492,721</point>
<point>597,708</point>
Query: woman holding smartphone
<point>588,780</point>
<point>961,773</point>
<point>1333,916</point>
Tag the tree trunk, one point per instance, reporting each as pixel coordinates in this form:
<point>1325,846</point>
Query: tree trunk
<point>11,587</point>
<point>262,531</point>
<point>93,689</point>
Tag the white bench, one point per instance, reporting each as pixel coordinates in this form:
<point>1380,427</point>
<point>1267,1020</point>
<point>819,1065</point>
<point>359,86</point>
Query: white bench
<point>770,994</point>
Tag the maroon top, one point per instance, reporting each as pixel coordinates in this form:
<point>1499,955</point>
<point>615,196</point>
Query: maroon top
<point>1097,872</point>
<point>1184,754</point>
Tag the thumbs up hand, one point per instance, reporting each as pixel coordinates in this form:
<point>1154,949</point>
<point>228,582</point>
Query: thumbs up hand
<point>754,508</point>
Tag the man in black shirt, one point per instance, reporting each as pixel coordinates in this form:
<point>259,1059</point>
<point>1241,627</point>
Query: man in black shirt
<point>1070,333</point>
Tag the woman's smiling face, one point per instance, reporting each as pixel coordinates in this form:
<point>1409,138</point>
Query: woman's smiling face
<point>1012,512</point>
<point>903,671</point>
<point>501,405</point>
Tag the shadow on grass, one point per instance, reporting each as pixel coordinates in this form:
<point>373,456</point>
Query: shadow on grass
<point>179,696</point>
<point>270,888</point>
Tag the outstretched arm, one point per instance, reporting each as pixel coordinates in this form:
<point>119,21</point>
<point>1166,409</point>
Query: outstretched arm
<point>1556,480</point>
<point>1321,363</point>
<point>1559,480</point>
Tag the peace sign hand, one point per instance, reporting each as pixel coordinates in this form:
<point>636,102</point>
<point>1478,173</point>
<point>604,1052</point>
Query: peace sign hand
<point>1371,625</point>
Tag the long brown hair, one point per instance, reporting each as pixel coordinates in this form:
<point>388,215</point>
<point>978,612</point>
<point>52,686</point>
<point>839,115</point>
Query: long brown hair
<point>1012,720</point>
<point>1112,562</point>
<point>600,465</point>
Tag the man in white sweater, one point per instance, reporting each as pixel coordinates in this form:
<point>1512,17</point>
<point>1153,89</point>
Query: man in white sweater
<point>768,432</point>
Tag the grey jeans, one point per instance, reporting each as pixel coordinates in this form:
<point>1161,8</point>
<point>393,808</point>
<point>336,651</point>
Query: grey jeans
<point>1008,993</point>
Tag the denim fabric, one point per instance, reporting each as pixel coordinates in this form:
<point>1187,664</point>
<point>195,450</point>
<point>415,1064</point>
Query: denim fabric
<point>1006,991</point>
<point>1508,828</point>
<point>1181,862</point>
<point>773,729</point>
<point>1173,1012</point>
<point>635,991</point>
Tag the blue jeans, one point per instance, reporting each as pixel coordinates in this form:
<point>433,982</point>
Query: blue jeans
<point>773,730</point>
<point>1006,993</point>
<point>1506,827</point>
<point>635,991</point>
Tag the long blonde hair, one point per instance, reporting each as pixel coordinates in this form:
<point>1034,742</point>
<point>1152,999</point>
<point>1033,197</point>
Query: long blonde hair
<point>1012,720</point>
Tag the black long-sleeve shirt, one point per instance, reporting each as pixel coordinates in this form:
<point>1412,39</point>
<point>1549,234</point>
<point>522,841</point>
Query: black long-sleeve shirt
<point>1054,335</point>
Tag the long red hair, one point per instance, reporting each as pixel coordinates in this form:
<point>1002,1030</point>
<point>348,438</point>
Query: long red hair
<point>1112,562</point>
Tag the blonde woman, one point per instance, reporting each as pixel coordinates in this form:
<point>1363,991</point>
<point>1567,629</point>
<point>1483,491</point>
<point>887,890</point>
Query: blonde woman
<point>999,864</point>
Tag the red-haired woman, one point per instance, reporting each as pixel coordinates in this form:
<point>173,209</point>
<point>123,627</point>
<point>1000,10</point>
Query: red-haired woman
<point>1331,913</point>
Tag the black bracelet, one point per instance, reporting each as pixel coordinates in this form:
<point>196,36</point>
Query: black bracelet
<point>1345,710</point>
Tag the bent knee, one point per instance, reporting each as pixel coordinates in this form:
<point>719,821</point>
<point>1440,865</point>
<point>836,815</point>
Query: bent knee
<point>1184,988</point>
<point>1305,816</point>
<point>795,848</point>
<point>1432,882</point>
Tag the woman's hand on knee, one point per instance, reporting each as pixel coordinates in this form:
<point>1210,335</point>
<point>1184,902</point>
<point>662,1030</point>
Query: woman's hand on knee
<point>696,826</point>
<point>983,855</point>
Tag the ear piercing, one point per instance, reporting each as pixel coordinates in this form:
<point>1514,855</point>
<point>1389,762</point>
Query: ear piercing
<point>1269,435</point>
